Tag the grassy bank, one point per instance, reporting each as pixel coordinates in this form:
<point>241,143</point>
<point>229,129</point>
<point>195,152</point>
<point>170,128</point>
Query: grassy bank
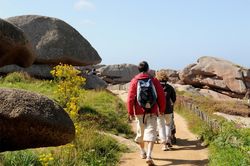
<point>228,145</point>
<point>99,111</point>
<point>231,107</point>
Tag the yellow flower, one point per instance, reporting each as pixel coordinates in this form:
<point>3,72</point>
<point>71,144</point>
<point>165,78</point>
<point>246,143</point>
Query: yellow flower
<point>51,158</point>
<point>69,87</point>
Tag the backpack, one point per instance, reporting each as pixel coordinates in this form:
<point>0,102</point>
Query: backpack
<point>146,95</point>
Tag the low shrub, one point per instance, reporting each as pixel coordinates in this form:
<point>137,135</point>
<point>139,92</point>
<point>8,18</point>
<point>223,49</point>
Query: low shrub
<point>17,77</point>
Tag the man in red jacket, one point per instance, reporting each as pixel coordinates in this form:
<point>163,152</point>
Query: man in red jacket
<point>146,122</point>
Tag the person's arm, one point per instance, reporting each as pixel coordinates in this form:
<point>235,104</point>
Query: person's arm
<point>173,95</point>
<point>161,99</point>
<point>131,97</point>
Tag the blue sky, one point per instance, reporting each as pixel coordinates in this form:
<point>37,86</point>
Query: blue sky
<point>166,33</point>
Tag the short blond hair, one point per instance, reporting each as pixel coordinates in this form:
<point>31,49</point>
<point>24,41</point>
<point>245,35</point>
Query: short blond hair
<point>162,75</point>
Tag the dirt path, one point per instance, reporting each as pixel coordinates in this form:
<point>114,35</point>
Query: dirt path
<point>188,150</point>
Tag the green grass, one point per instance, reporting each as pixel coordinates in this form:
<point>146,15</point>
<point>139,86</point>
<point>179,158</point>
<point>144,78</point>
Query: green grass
<point>105,111</point>
<point>231,146</point>
<point>228,146</point>
<point>24,81</point>
<point>195,124</point>
<point>19,158</point>
<point>99,111</point>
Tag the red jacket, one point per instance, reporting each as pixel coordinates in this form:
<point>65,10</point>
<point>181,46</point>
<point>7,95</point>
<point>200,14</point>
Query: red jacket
<point>132,102</point>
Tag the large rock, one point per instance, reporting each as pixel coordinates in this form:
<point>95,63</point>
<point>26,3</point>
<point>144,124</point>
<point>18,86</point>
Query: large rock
<point>14,46</point>
<point>56,41</point>
<point>36,70</point>
<point>217,74</point>
<point>30,120</point>
<point>214,95</point>
<point>118,73</point>
<point>173,75</point>
<point>43,72</point>
<point>201,92</point>
<point>246,75</point>
<point>94,82</point>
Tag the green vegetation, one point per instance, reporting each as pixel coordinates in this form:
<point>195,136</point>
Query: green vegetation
<point>195,124</point>
<point>228,145</point>
<point>99,111</point>
<point>24,81</point>
<point>233,107</point>
<point>231,146</point>
<point>26,158</point>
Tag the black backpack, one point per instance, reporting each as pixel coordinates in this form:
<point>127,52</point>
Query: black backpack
<point>146,95</point>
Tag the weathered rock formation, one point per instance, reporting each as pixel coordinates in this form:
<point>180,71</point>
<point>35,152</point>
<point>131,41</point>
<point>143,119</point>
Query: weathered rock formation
<point>94,82</point>
<point>219,75</point>
<point>201,92</point>
<point>14,46</point>
<point>30,120</point>
<point>173,75</point>
<point>35,70</point>
<point>119,73</point>
<point>56,41</point>
<point>43,71</point>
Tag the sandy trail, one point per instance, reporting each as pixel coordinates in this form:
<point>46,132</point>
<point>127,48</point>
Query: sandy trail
<point>188,150</point>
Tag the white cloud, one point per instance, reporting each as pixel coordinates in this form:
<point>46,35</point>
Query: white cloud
<point>84,5</point>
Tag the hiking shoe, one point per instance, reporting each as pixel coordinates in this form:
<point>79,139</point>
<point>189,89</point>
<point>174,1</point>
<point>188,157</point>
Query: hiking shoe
<point>157,141</point>
<point>173,139</point>
<point>143,155</point>
<point>149,161</point>
<point>169,145</point>
<point>165,147</point>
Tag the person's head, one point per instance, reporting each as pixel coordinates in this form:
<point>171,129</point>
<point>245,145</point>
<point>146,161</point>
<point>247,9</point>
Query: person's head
<point>143,66</point>
<point>162,76</point>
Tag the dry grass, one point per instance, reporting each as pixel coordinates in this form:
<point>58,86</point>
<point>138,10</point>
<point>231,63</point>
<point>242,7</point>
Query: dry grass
<point>209,105</point>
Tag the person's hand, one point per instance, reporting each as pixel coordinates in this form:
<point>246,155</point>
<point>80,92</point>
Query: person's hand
<point>161,113</point>
<point>131,118</point>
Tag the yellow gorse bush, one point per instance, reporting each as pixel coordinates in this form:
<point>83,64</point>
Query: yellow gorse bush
<point>45,159</point>
<point>68,87</point>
